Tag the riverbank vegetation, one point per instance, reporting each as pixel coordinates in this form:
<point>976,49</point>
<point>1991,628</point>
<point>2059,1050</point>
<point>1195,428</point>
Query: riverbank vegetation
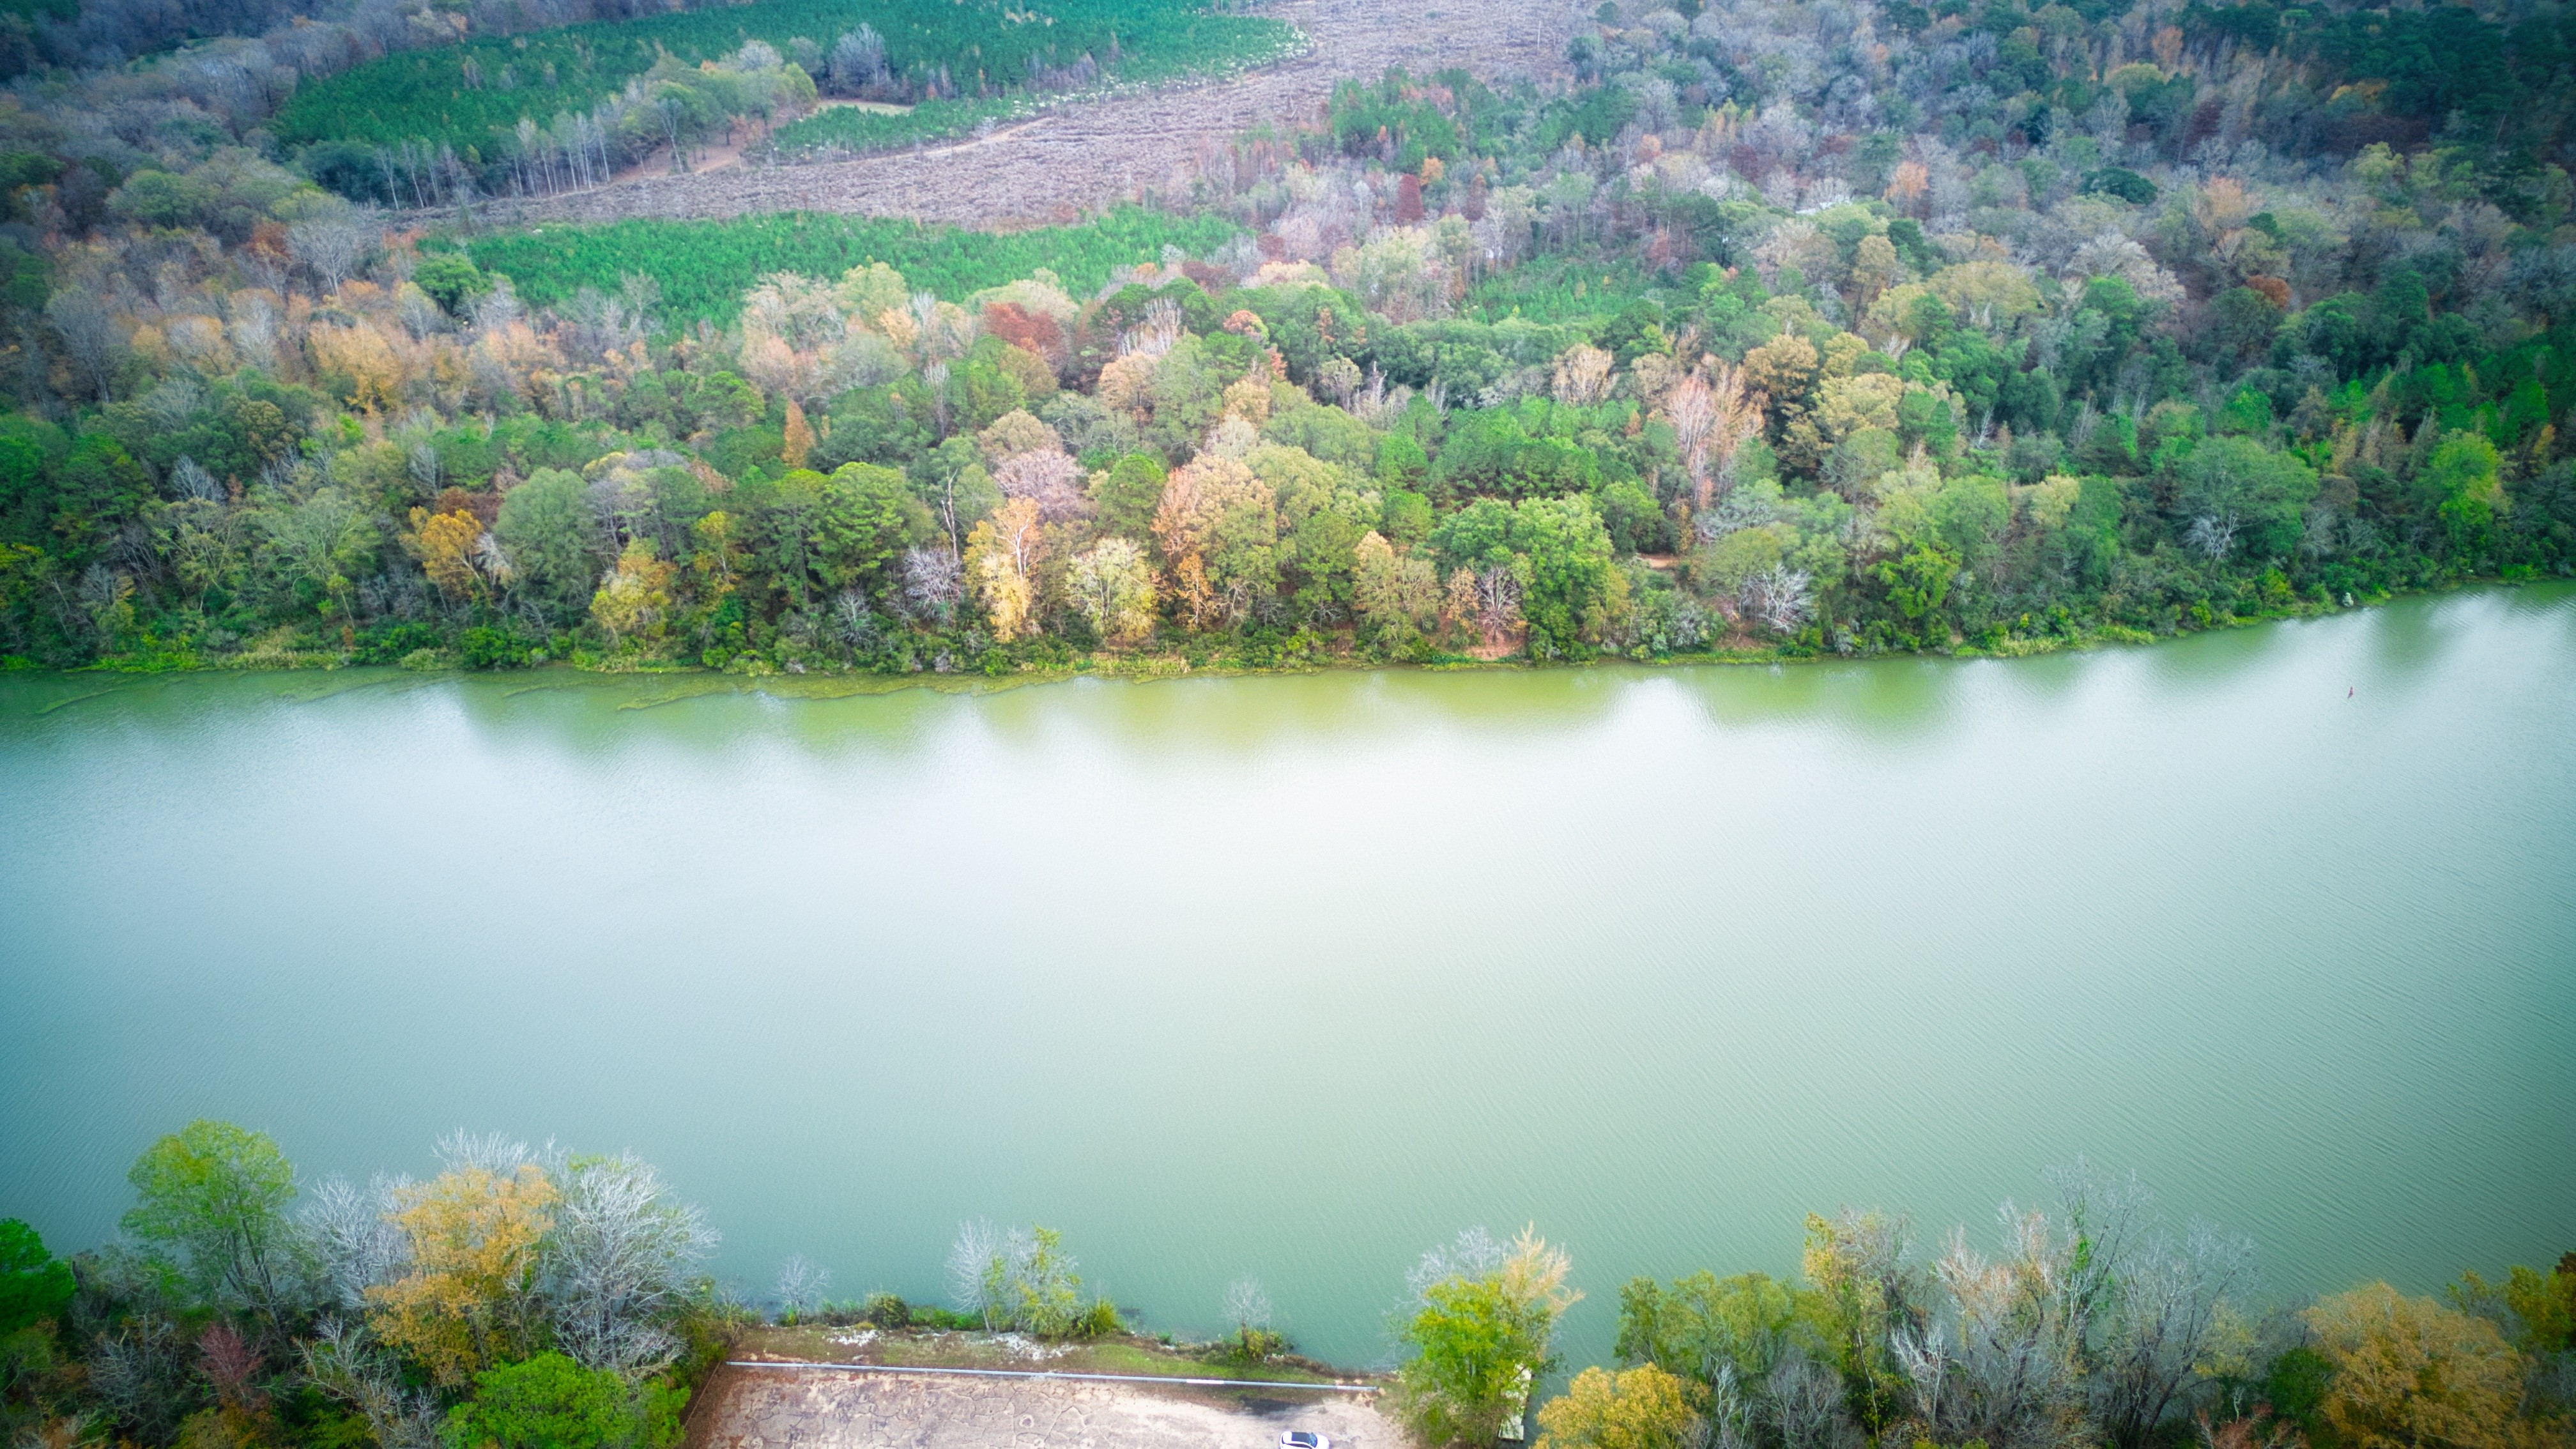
<point>536,1297</point>
<point>518,1297</point>
<point>1774,332</point>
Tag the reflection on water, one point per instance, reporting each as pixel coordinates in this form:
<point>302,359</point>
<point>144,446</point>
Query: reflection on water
<point>1293,976</point>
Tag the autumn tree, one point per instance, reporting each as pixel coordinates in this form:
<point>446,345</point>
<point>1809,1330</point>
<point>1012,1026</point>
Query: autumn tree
<point>1219,530</point>
<point>446,544</point>
<point>1638,1408</point>
<point>1002,553</point>
<point>2413,1374</point>
<point>799,438</point>
<point>1112,583</point>
<point>469,1299</point>
<point>633,601</point>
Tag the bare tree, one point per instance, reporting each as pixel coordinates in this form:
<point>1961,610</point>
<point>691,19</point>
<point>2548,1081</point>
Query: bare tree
<point>189,479</point>
<point>801,1283</point>
<point>342,1362</point>
<point>332,247</point>
<point>2167,1299</point>
<point>497,1153</point>
<point>978,1269</point>
<point>1780,596</point>
<point>932,580</point>
<point>1474,1253</point>
<point>1806,1400</point>
<point>1247,1307</point>
<point>141,1373</point>
<point>352,1238</point>
<point>858,60</point>
<point>2214,534</point>
<point>88,334</point>
<point>2004,1366</point>
<point>617,1260</point>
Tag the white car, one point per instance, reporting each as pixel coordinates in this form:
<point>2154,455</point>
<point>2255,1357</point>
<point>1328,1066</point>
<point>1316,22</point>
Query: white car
<point>1304,1439</point>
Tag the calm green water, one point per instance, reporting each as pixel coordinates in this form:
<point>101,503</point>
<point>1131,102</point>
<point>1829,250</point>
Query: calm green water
<point>1295,976</point>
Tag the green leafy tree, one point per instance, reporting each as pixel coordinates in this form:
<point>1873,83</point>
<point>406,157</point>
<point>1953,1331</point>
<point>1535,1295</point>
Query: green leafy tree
<point>451,279</point>
<point>1573,594</point>
<point>2236,485</point>
<point>1703,1325</point>
<point>1480,1340</point>
<point>865,517</point>
<point>2541,1306</point>
<point>545,526</point>
<point>217,1194</point>
<point>1127,493</point>
<point>2460,486</point>
<point>34,1284</point>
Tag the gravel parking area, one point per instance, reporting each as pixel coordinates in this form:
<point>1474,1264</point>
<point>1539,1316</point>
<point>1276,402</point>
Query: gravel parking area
<point>756,1408</point>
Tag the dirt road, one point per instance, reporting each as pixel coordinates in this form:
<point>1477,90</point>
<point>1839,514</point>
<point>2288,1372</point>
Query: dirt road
<point>1091,155</point>
<point>749,1408</point>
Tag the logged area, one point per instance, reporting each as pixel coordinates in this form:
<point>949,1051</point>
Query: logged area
<point>1092,154</point>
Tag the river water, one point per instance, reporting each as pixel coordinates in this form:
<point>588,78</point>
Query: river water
<point>1293,977</point>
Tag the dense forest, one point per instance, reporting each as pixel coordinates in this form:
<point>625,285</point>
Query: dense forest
<point>1776,330</point>
<point>538,1299</point>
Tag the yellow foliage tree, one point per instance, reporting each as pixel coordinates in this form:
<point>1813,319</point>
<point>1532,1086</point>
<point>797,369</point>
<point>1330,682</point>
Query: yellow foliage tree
<point>2412,1374</point>
<point>1113,585</point>
<point>635,598</point>
<point>445,543</point>
<point>1001,559</point>
<point>1638,1408</point>
<point>360,362</point>
<point>800,437</point>
<point>467,1302</point>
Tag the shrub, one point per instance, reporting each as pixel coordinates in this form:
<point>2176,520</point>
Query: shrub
<point>551,1402</point>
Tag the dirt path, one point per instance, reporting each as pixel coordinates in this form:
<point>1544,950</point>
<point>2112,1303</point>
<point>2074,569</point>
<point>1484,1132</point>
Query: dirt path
<point>1091,155</point>
<point>747,1408</point>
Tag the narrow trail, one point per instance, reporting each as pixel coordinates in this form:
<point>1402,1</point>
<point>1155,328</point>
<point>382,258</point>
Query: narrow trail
<point>1090,155</point>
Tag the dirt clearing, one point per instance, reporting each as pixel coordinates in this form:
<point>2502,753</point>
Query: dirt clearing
<point>781,1408</point>
<point>1088,156</point>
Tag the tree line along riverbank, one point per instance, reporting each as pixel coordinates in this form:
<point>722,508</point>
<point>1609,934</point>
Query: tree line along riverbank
<point>2021,333</point>
<point>542,1298</point>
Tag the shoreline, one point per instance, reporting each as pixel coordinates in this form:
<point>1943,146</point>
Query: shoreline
<point>1147,668</point>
